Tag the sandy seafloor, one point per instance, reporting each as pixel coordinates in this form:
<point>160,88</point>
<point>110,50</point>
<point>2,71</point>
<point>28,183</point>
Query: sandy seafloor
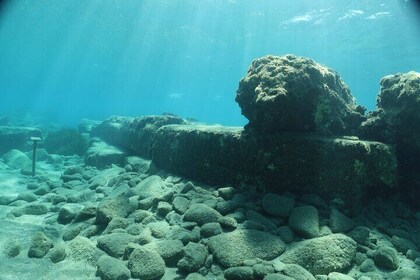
<point>383,219</point>
<point>24,228</point>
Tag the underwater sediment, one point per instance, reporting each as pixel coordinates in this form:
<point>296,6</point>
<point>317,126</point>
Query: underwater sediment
<point>157,197</point>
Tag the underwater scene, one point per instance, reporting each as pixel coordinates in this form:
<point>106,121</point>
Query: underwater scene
<point>210,139</point>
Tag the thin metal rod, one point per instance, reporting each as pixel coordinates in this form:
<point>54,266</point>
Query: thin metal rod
<point>34,157</point>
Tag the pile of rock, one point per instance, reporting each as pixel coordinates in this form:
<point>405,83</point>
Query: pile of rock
<point>127,223</point>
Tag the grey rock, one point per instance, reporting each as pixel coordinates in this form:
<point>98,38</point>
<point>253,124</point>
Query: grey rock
<point>238,216</point>
<point>73,230</point>
<point>102,155</point>
<point>291,93</point>
<point>226,207</point>
<point>339,276</point>
<point>158,229</point>
<point>11,248</point>
<point>84,249</point>
<point>6,200</point>
<point>261,270</point>
<point>226,193</point>
<point>402,245</point>
<point>27,196</point>
<point>386,257</point>
<point>163,208</point>
<point>405,274</point>
<point>115,243</point>
<point>140,215</point>
<point>112,269</point>
<point>16,159</point>
<point>278,276</point>
<point>367,266</point>
<point>340,222</point>
<point>228,223</point>
<point>233,248</point>
<point>170,250</point>
<point>195,276</point>
<point>297,272</point>
<point>139,165</point>
<point>73,170</point>
<point>56,199</point>
<point>201,214</point>
<point>258,218</point>
<point>86,213</point>
<point>146,264</point>
<point>35,209</point>
<point>111,208</point>
<point>322,255</point>
<point>285,233</point>
<point>68,212</point>
<point>239,273</point>
<point>361,235</point>
<point>58,253</point>
<point>304,220</point>
<point>412,254</point>
<point>314,200</point>
<point>115,224</point>
<point>277,205</point>
<point>180,204</point>
<point>40,245</point>
<point>194,257</point>
<point>182,234</point>
<point>210,229</point>
<point>153,187</point>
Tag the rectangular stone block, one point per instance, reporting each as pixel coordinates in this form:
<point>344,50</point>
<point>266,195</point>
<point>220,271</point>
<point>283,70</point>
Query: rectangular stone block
<point>332,167</point>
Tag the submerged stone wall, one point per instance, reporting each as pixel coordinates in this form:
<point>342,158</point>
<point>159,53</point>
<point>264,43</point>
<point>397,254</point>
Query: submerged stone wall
<point>302,163</point>
<point>333,167</point>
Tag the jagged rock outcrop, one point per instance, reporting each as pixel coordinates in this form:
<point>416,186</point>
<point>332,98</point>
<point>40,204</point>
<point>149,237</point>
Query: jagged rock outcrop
<point>397,121</point>
<point>294,94</point>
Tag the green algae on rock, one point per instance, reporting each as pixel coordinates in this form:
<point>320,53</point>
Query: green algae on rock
<point>233,248</point>
<point>322,255</point>
<point>397,121</point>
<point>291,93</point>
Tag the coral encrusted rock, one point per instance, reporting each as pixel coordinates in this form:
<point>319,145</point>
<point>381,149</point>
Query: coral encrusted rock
<point>397,121</point>
<point>291,93</point>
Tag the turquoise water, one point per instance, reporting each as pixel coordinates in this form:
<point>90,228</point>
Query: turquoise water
<point>67,60</point>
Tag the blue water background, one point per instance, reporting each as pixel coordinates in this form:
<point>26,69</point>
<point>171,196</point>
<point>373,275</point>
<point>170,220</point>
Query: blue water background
<point>73,59</point>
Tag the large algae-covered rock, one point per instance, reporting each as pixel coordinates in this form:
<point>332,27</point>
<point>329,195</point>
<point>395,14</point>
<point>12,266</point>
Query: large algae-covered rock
<point>322,255</point>
<point>398,110</point>
<point>146,264</point>
<point>397,121</point>
<point>40,245</point>
<point>233,248</point>
<point>133,134</point>
<point>16,159</point>
<point>112,208</point>
<point>291,93</point>
<point>334,167</point>
<point>112,269</point>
